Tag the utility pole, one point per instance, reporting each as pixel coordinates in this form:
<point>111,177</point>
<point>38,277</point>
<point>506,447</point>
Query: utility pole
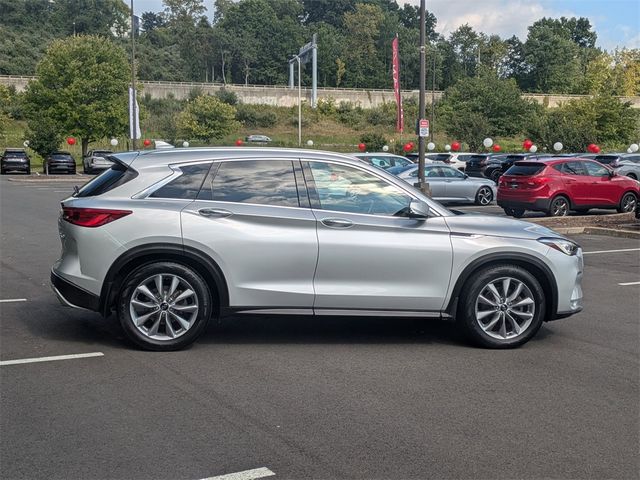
<point>133,82</point>
<point>423,186</point>
<point>299,103</point>
<point>433,95</point>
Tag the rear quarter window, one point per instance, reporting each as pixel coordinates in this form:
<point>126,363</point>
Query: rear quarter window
<point>187,185</point>
<point>111,178</point>
<point>524,170</point>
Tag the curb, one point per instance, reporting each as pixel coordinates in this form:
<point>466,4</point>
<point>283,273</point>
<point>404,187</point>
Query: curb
<point>611,232</point>
<point>44,178</point>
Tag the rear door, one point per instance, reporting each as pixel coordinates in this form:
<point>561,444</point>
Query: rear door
<point>456,186</point>
<point>575,181</point>
<point>253,218</point>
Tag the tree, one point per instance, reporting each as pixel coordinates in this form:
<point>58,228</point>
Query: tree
<point>207,118</point>
<point>183,12</point>
<point>152,21</point>
<point>81,89</point>
<point>362,29</point>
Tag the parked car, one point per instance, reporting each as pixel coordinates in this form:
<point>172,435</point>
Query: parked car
<point>629,169</point>
<point>449,184</point>
<point>96,160</point>
<point>171,239</point>
<point>496,165</point>
<point>257,139</point>
<point>15,160</point>
<point>59,162</point>
<point>451,159</point>
<point>475,163</point>
<point>383,160</point>
<point>610,159</point>
<point>556,186</point>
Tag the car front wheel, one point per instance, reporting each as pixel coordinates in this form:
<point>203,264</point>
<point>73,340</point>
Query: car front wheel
<point>628,203</point>
<point>501,307</point>
<point>164,306</point>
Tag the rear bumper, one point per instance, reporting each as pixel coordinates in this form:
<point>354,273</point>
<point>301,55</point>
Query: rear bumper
<point>538,204</point>
<point>15,166</point>
<point>71,295</point>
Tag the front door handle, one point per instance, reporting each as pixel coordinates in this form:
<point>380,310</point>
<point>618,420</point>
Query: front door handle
<point>215,212</point>
<point>336,223</point>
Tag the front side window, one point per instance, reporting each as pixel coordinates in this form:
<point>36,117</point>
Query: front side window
<point>595,170</point>
<point>452,173</point>
<point>343,188</point>
<point>187,185</point>
<point>261,182</point>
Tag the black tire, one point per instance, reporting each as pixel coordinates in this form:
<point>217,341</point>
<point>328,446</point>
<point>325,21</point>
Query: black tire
<point>466,313</point>
<point>628,203</point>
<point>484,196</point>
<point>559,206</point>
<point>495,175</point>
<point>632,175</point>
<point>514,212</point>
<point>28,172</point>
<point>198,325</point>
<point>582,211</point>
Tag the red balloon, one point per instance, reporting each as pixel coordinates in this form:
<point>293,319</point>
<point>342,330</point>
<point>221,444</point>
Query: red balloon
<point>496,147</point>
<point>591,147</point>
<point>596,149</point>
<point>71,141</point>
<point>407,147</point>
<point>527,144</point>
<point>362,147</point>
<point>146,142</point>
<point>455,146</point>
<point>238,143</point>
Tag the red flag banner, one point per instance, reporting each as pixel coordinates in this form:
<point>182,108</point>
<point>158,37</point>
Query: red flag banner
<point>396,85</point>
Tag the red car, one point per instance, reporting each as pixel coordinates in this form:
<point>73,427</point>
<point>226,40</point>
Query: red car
<point>558,185</point>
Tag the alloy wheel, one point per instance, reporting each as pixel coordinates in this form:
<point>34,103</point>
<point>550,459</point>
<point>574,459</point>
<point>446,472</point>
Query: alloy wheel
<point>485,196</point>
<point>163,307</point>
<point>628,203</point>
<point>505,308</point>
<point>560,207</point>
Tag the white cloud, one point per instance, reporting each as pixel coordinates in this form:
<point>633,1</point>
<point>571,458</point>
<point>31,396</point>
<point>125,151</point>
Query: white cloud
<point>502,17</point>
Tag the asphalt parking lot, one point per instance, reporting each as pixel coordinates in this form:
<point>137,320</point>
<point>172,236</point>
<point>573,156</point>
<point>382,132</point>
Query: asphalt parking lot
<point>319,398</point>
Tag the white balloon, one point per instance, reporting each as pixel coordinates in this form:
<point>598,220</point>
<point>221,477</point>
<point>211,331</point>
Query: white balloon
<point>310,143</point>
<point>557,146</point>
<point>431,146</point>
<point>185,144</point>
<point>385,148</point>
<point>25,143</point>
<point>114,142</point>
<point>634,147</point>
<point>487,142</point>
<point>533,149</point>
<point>629,150</point>
<point>447,147</point>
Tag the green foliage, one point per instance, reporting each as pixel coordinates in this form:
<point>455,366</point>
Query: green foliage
<point>602,119</point>
<point>161,117</point>
<point>384,115</point>
<point>207,118</point>
<point>486,105</point>
<point>256,115</point>
<point>227,96</point>
<point>373,141</point>
<point>81,89</point>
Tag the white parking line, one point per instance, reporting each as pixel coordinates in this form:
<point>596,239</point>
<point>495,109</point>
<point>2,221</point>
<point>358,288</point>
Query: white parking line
<point>10,300</point>
<point>626,284</point>
<point>245,475</point>
<point>613,251</point>
<point>52,359</point>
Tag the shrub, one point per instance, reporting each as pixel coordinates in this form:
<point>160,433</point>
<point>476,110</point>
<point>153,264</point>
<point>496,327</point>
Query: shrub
<point>227,96</point>
<point>256,115</point>
<point>373,141</point>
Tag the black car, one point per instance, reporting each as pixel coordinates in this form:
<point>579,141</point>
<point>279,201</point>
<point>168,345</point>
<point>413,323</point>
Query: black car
<point>496,165</point>
<point>59,162</point>
<point>610,159</point>
<point>475,163</point>
<point>15,160</point>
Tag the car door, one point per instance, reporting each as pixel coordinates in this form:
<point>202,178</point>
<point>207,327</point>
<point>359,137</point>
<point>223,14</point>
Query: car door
<point>575,181</point>
<point>456,186</point>
<point>435,178</point>
<point>601,186</point>
<point>371,257</point>
<point>250,219</point>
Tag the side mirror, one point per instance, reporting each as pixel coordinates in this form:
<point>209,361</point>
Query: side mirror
<point>466,176</point>
<point>418,210</point>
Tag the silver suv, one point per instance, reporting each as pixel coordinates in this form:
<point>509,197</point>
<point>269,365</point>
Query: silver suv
<point>169,239</point>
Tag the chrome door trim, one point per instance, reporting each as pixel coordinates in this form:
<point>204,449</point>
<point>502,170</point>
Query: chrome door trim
<point>376,313</point>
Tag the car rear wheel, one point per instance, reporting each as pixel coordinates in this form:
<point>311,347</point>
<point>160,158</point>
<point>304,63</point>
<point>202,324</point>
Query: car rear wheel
<point>559,207</point>
<point>484,196</point>
<point>164,306</point>
<point>501,307</point>
<point>628,203</point>
<point>495,175</point>
<point>514,212</point>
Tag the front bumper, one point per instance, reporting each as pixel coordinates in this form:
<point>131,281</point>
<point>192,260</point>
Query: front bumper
<point>71,295</point>
<point>15,166</point>
<point>569,282</point>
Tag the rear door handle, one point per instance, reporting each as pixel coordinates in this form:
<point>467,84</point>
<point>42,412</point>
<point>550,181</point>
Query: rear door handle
<point>215,212</point>
<point>336,223</point>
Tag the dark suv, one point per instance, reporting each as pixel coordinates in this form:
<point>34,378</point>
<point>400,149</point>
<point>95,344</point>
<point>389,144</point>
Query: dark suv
<point>496,165</point>
<point>59,162</point>
<point>15,160</point>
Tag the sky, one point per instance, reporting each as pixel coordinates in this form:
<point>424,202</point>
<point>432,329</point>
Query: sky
<point>617,22</point>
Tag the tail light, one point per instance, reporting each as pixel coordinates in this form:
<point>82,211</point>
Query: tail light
<point>537,181</point>
<point>92,217</point>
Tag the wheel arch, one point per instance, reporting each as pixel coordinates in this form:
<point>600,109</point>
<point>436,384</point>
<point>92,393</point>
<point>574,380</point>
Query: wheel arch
<point>536,267</point>
<point>204,265</point>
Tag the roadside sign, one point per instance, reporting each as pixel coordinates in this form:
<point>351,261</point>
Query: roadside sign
<point>423,128</point>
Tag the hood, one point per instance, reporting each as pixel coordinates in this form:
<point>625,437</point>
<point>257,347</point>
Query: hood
<point>478,224</point>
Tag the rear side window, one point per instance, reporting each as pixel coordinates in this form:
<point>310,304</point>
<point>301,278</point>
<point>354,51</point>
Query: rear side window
<point>187,185</point>
<point>524,170</point>
<point>115,176</point>
<point>571,168</point>
<point>262,182</point>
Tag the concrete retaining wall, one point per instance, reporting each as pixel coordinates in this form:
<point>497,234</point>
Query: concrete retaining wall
<point>285,97</point>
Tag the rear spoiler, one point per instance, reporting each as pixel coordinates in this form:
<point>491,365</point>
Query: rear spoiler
<point>123,158</point>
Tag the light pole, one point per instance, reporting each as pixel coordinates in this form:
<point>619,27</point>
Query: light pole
<point>297,57</point>
<point>133,83</point>
<point>424,187</point>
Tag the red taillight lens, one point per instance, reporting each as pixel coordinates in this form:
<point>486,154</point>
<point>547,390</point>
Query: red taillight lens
<point>537,181</point>
<point>92,217</point>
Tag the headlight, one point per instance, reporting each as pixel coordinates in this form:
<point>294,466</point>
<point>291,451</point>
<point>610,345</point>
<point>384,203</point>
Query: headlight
<point>565,246</point>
